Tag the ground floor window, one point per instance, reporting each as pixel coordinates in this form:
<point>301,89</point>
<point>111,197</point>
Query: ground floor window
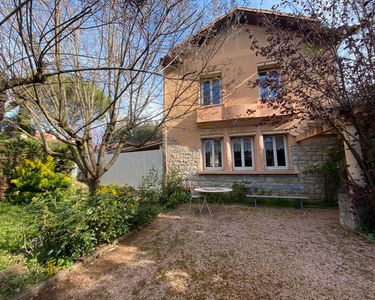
<point>276,151</point>
<point>213,153</point>
<point>242,153</point>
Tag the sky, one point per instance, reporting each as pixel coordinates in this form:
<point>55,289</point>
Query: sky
<point>264,4</point>
<point>260,4</point>
<point>214,9</point>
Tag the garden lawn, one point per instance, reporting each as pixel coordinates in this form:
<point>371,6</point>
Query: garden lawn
<point>15,271</point>
<point>249,253</point>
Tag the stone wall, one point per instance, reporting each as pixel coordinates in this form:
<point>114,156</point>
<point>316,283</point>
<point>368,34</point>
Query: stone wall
<point>274,184</point>
<point>185,160</point>
<point>355,210</point>
<point>304,154</point>
<point>308,153</point>
<point>348,216</point>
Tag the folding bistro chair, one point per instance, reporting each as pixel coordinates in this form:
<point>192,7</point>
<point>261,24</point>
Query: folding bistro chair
<point>193,194</point>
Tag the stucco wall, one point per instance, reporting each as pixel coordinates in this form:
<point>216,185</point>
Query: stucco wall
<point>237,65</point>
<point>227,54</point>
<point>187,125</point>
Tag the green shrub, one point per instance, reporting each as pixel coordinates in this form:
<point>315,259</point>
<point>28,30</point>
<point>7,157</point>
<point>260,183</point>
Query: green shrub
<point>150,188</point>
<point>166,193</point>
<point>145,212</point>
<point>142,206</point>
<point>332,173</point>
<point>111,211</point>
<point>124,192</point>
<point>238,195</point>
<point>37,177</point>
<point>72,223</point>
<point>15,151</point>
<point>62,222</point>
<point>173,192</point>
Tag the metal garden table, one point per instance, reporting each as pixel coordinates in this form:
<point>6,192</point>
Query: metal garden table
<point>206,190</point>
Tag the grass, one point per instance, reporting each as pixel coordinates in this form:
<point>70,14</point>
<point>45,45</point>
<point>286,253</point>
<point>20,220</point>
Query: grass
<point>16,270</point>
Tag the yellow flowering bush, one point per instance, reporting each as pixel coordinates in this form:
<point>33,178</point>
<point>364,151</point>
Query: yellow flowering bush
<point>124,191</point>
<point>36,176</point>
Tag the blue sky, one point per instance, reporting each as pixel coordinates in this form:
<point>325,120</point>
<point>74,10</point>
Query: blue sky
<point>265,4</point>
<point>214,9</point>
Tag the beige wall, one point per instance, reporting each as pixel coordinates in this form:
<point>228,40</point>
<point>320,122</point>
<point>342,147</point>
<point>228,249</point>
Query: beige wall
<point>231,57</point>
<point>189,122</point>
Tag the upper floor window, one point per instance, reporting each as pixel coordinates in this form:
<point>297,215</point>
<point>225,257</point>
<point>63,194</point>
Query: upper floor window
<point>276,151</point>
<point>213,153</point>
<point>243,153</point>
<point>211,91</point>
<point>269,84</point>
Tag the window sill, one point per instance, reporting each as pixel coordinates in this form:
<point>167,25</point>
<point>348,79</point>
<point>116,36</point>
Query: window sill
<point>249,172</point>
<point>203,106</point>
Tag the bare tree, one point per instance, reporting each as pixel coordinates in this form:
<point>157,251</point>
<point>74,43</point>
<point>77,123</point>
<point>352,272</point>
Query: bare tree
<point>30,31</point>
<point>326,62</point>
<point>11,10</point>
<point>107,76</point>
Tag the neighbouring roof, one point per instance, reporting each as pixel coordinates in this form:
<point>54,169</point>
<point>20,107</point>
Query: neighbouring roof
<point>240,15</point>
<point>47,136</point>
<point>150,145</point>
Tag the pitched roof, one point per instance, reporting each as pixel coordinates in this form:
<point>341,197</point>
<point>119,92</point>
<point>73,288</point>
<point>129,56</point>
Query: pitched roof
<point>257,17</point>
<point>240,15</point>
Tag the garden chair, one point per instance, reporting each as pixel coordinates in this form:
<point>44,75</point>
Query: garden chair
<point>193,194</point>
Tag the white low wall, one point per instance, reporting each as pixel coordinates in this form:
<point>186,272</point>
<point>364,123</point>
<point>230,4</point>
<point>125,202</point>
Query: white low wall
<point>131,166</point>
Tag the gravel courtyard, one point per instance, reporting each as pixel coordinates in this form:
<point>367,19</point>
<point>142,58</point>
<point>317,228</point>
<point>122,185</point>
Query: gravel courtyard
<point>267,253</point>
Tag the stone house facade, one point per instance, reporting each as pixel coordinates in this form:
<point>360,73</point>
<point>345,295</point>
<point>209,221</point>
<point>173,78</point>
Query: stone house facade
<point>219,132</point>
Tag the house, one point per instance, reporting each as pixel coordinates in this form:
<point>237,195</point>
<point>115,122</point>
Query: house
<point>218,132</point>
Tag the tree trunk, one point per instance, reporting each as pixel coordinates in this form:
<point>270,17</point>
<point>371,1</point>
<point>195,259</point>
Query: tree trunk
<point>3,98</point>
<point>361,191</point>
<point>93,184</point>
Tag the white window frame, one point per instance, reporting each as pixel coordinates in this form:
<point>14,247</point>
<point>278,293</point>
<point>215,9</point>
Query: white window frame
<point>277,167</point>
<point>211,90</point>
<point>213,153</point>
<point>260,88</point>
<point>241,138</point>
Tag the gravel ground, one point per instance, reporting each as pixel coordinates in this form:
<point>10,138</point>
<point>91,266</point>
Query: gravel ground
<point>263,253</point>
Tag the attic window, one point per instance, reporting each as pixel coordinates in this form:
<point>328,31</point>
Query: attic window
<point>211,91</point>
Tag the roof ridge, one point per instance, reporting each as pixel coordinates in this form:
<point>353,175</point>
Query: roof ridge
<point>252,13</point>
